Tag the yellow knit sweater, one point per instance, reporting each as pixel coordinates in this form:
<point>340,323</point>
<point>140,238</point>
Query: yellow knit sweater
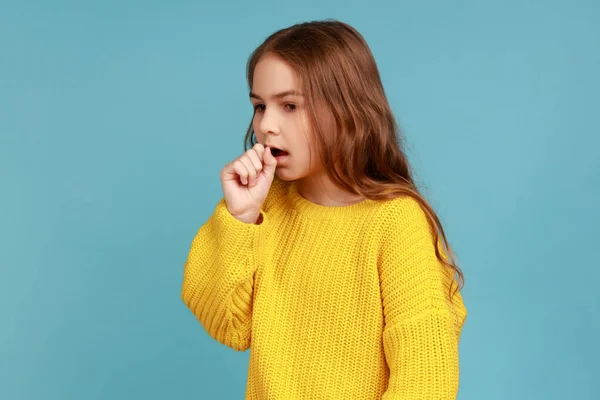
<point>343,302</point>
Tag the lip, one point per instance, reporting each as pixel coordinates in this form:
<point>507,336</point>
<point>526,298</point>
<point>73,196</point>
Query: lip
<point>278,158</point>
<point>281,158</point>
<point>275,147</point>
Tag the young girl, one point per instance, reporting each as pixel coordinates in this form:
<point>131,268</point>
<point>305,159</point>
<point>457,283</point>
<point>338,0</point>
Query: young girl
<point>322,257</point>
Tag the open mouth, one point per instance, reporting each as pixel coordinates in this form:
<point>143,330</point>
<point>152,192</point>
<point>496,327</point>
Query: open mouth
<point>278,153</point>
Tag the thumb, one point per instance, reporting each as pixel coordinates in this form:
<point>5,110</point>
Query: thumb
<point>270,163</point>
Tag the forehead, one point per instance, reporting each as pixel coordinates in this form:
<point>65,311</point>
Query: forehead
<point>273,75</point>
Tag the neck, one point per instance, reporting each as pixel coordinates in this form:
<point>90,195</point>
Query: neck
<point>319,189</point>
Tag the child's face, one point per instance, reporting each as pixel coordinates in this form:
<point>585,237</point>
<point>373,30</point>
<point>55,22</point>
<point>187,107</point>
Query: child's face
<point>281,121</point>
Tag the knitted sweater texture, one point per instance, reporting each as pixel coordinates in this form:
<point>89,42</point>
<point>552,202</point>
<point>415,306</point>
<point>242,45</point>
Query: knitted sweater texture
<point>334,302</point>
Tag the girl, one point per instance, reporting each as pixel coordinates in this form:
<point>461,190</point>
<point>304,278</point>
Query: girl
<point>323,257</point>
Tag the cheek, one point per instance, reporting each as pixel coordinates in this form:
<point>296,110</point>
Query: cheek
<point>255,129</point>
<point>260,138</point>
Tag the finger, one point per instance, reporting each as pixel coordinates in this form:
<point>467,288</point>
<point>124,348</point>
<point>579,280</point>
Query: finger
<point>248,164</point>
<point>229,173</point>
<point>260,149</point>
<point>270,162</point>
<point>257,164</point>
<point>241,170</point>
<point>255,158</point>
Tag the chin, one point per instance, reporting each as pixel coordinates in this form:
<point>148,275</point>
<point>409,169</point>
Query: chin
<point>285,175</point>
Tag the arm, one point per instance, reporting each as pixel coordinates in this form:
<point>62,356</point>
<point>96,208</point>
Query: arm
<point>422,326</point>
<point>218,278</point>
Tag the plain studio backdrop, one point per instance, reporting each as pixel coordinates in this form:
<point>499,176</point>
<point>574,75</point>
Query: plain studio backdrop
<point>116,118</point>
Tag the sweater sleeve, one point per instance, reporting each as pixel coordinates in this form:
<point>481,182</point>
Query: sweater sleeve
<point>422,325</point>
<point>218,279</point>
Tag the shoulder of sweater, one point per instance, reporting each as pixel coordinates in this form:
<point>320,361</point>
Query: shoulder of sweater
<point>402,207</point>
<point>403,213</point>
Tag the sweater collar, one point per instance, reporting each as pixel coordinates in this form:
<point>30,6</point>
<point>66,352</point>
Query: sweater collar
<point>317,211</point>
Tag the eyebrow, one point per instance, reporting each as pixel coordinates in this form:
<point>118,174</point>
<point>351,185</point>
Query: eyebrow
<point>278,95</point>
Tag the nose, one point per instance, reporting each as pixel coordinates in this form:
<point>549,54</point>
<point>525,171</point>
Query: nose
<point>268,123</point>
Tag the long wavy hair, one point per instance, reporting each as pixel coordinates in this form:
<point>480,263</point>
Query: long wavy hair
<point>349,116</point>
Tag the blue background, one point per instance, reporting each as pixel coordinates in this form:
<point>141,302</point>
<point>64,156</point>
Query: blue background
<point>116,118</point>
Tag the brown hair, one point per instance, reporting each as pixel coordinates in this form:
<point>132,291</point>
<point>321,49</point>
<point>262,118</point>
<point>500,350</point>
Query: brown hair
<point>344,93</point>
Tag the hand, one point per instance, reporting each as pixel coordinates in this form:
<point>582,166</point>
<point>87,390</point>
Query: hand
<point>246,182</point>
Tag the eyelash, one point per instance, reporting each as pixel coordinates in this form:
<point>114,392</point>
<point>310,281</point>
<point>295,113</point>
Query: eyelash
<point>256,107</point>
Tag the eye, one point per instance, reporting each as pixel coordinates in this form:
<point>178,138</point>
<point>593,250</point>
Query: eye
<point>291,107</point>
<point>259,107</point>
